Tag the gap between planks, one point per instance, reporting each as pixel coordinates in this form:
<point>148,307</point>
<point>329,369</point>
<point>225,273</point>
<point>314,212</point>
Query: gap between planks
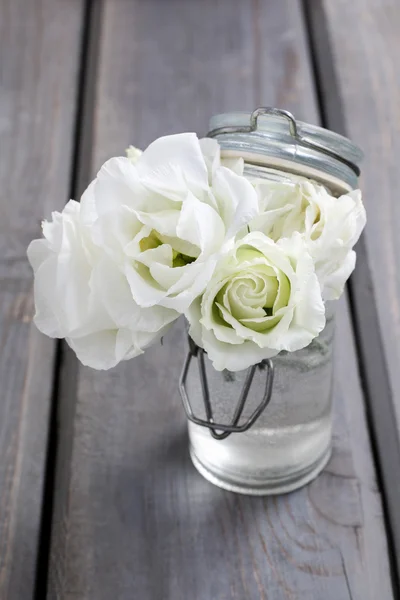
<point>373,367</point>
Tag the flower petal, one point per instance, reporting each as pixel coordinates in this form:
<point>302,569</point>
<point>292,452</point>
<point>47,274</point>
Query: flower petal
<point>104,349</point>
<point>236,198</point>
<point>200,225</point>
<point>173,163</point>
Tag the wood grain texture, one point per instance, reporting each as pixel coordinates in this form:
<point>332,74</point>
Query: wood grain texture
<point>368,83</point>
<point>132,517</point>
<point>357,47</point>
<point>39,49</point>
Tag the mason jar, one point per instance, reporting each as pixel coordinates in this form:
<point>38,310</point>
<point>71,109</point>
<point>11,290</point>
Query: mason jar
<point>288,400</point>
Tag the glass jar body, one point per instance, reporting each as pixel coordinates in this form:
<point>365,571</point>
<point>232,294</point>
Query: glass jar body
<point>290,443</point>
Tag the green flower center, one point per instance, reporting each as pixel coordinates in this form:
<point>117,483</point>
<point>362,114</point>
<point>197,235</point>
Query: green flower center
<point>150,242</point>
<point>153,240</point>
<point>253,296</point>
<point>181,260</point>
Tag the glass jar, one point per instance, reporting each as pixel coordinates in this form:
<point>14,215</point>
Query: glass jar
<point>290,441</point>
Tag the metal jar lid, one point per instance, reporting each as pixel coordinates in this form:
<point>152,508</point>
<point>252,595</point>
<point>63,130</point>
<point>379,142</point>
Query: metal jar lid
<point>271,137</point>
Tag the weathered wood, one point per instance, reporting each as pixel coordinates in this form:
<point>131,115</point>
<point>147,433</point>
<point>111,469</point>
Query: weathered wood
<point>39,49</point>
<point>132,517</point>
<point>357,47</point>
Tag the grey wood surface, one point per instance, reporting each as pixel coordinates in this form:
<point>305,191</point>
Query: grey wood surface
<point>357,47</point>
<point>39,50</point>
<point>132,518</point>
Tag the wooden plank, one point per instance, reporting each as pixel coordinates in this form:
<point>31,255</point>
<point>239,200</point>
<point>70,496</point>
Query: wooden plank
<point>132,517</point>
<point>39,49</point>
<point>357,47</point>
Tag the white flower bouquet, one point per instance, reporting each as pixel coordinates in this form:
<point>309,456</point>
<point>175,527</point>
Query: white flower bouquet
<point>177,230</point>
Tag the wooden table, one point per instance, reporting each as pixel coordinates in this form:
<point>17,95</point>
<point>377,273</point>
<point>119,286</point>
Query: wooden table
<point>98,499</point>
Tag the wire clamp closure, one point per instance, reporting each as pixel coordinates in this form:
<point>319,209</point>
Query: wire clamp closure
<point>221,431</point>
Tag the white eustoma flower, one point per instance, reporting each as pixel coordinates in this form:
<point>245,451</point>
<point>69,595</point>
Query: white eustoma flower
<point>164,217</point>
<point>80,296</point>
<point>263,298</point>
<point>330,226</point>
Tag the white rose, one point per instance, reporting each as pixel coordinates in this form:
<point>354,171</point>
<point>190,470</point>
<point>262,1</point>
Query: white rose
<point>330,226</point>
<point>164,217</point>
<point>264,297</point>
<point>80,296</point>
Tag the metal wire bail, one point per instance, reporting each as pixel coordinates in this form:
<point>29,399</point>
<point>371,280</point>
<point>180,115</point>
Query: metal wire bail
<point>293,130</point>
<point>220,431</point>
